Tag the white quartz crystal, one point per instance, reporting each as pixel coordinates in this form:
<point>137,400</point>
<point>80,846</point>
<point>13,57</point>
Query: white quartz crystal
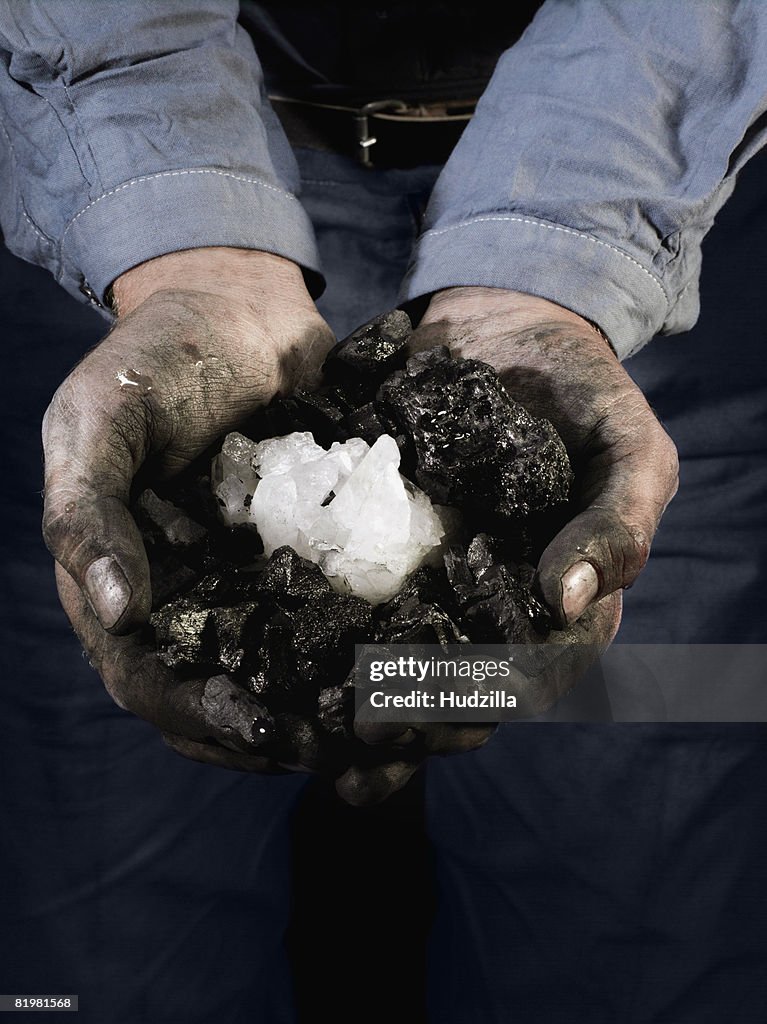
<point>233,478</point>
<point>349,509</point>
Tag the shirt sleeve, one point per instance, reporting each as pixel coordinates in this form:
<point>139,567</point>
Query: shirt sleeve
<point>134,129</point>
<point>606,142</point>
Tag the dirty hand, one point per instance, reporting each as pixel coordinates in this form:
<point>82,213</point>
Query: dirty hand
<point>558,366</point>
<point>203,337</point>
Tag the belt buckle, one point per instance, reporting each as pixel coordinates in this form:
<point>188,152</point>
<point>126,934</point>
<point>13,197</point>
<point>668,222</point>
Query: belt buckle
<point>365,141</point>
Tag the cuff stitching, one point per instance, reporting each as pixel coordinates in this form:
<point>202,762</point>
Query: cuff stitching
<point>564,230</point>
<point>173,174</point>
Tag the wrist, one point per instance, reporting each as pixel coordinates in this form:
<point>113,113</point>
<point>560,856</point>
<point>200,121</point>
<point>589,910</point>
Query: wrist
<point>245,278</point>
<point>519,310</point>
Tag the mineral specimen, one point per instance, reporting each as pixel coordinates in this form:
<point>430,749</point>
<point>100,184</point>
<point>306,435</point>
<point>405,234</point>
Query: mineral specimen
<point>473,444</point>
<point>348,509</point>
<point>493,593</point>
<point>322,535</point>
<point>234,479</point>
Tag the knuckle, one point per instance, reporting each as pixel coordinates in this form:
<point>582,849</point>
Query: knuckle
<point>639,541</point>
<point>635,551</point>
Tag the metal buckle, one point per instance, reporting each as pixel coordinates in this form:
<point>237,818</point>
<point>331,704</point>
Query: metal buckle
<point>362,125</point>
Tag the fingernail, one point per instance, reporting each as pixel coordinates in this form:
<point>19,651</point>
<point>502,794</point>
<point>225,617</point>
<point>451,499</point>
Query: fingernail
<point>108,591</point>
<point>580,585</point>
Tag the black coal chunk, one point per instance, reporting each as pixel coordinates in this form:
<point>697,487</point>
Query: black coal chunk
<point>277,629</point>
<point>176,544</point>
<point>332,622</point>
<point>233,545</point>
<point>180,632</point>
<point>369,422</point>
<point>423,612</point>
<point>335,710</point>
<point>169,576</point>
<point>370,353</point>
<point>207,625</point>
<point>300,740</point>
<point>292,581</point>
<point>225,586</point>
<point>494,594</point>
<point>234,630</point>
<point>240,712</point>
<point>473,445</point>
<point>320,412</point>
<point>272,672</point>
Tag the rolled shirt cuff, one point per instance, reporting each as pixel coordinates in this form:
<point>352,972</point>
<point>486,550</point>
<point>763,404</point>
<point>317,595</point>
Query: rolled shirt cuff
<point>188,208</point>
<point>587,275</point>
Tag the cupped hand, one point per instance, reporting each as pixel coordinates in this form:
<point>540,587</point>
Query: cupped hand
<point>560,367</point>
<point>626,468</point>
<point>202,339</point>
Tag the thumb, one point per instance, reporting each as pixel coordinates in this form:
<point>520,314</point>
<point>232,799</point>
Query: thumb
<point>96,540</point>
<point>86,523</point>
<point>594,555</point>
<point>606,546</point>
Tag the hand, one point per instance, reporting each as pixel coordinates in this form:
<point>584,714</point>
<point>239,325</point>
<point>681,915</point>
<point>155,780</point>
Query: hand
<point>558,366</point>
<point>202,339</point>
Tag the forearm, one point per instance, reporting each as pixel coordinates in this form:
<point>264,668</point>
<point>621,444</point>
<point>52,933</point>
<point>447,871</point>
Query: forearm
<point>599,155</point>
<point>127,136</point>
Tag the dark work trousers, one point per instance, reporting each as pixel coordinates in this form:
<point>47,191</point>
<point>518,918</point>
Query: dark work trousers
<point>583,873</point>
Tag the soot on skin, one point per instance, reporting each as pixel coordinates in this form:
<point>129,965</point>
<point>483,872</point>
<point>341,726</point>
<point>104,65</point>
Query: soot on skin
<point>276,627</point>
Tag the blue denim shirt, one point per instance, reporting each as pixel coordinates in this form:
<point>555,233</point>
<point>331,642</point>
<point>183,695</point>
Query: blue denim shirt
<point>606,141</point>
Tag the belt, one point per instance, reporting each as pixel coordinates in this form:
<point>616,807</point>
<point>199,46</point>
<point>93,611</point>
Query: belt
<point>384,133</point>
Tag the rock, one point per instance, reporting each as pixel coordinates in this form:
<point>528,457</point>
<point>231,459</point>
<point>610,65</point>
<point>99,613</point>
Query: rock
<point>335,710</point>
<point>235,629</point>
<point>296,476</point>
<point>369,422</point>
<point>370,353</point>
<point>169,576</point>
<point>292,581</point>
<point>377,530</point>
<point>179,629</point>
<point>473,446</point>
<point>330,624</point>
<point>222,703</point>
<point>233,478</point>
<point>494,594</point>
<point>348,509</point>
<point>238,546</point>
<point>422,612</point>
<point>321,413</point>
<point>301,739</point>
